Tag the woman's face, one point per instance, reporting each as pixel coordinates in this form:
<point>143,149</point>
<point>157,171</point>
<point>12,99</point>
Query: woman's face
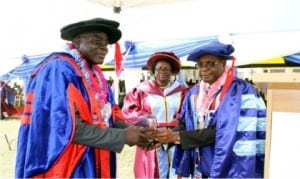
<point>162,71</point>
<point>92,46</point>
<point>210,68</point>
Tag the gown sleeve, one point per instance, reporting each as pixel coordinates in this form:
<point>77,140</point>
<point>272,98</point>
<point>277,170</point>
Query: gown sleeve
<point>135,106</point>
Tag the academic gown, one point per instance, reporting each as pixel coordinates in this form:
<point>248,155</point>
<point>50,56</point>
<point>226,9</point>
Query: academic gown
<point>57,90</point>
<point>149,98</point>
<point>240,121</point>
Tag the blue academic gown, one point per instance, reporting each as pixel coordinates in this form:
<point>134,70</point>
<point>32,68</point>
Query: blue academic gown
<point>45,147</point>
<point>240,121</point>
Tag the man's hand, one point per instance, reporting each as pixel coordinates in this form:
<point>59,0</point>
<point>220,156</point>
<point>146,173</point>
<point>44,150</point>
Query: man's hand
<point>139,136</point>
<point>150,142</point>
<point>165,136</point>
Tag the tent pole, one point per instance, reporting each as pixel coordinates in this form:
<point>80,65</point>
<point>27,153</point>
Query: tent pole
<point>117,90</point>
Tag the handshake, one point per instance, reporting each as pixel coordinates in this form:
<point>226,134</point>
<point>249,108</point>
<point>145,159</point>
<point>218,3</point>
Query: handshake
<point>145,135</point>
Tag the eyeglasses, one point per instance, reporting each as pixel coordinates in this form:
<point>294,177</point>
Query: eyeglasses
<point>166,70</point>
<point>207,65</point>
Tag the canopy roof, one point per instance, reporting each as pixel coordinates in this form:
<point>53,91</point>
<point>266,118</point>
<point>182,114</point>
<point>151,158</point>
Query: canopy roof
<point>137,60</point>
<point>258,29</point>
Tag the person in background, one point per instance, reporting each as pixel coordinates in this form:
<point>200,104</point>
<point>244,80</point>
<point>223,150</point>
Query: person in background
<point>8,95</point>
<point>230,106</point>
<point>122,92</point>
<point>71,126</point>
<point>142,78</point>
<point>110,81</point>
<point>160,99</point>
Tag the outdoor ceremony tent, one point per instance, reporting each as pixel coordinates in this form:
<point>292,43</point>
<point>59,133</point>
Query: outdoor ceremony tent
<point>24,70</point>
<point>258,29</point>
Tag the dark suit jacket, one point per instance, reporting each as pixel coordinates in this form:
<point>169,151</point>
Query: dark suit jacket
<point>197,138</point>
<point>112,139</point>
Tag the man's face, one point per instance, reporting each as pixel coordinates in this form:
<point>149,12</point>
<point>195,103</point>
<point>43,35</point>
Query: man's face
<point>210,68</point>
<point>93,46</point>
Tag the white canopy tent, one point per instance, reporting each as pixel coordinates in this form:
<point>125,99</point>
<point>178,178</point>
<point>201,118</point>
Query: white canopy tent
<point>258,28</point>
